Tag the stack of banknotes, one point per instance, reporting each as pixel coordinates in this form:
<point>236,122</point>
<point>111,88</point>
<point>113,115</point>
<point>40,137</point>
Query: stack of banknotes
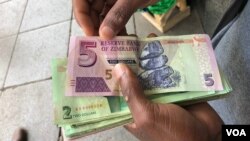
<point>171,69</point>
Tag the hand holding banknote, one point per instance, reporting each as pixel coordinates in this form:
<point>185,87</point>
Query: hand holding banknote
<point>106,18</point>
<point>158,122</point>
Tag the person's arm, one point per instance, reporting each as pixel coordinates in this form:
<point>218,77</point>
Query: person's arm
<point>170,122</point>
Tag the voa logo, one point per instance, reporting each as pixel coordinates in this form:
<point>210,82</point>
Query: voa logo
<point>236,132</point>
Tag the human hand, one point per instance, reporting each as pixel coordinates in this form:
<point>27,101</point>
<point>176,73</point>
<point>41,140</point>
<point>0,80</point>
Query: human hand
<point>170,122</point>
<point>106,18</point>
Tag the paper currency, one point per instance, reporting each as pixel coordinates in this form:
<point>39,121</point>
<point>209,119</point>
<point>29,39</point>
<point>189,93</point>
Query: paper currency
<point>116,111</point>
<point>86,129</point>
<point>163,64</point>
<point>69,110</point>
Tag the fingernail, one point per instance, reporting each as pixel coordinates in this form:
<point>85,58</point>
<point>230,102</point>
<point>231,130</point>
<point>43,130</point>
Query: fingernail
<point>132,125</point>
<point>126,98</point>
<point>107,33</point>
<point>151,35</point>
<point>119,70</point>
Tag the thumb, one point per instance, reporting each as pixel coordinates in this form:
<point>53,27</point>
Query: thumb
<point>116,19</point>
<point>132,91</point>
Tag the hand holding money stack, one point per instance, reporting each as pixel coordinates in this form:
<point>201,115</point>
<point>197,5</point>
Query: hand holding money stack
<point>170,69</point>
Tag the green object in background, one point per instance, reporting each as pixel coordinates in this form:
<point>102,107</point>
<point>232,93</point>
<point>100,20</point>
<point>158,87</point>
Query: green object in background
<point>161,7</point>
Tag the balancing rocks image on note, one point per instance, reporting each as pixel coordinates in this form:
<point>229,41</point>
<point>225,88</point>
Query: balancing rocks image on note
<point>157,73</point>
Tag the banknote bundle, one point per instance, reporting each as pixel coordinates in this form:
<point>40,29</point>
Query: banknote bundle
<point>171,69</point>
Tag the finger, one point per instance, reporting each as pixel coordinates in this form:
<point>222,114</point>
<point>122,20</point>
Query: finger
<point>116,19</point>
<point>105,11</point>
<point>82,13</point>
<point>111,2</point>
<point>202,110</point>
<point>131,128</point>
<point>207,115</point>
<point>97,5</point>
<point>96,22</point>
<point>123,32</point>
<point>151,35</point>
<point>134,35</point>
<point>132,91</point>
<point>149,2</point>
